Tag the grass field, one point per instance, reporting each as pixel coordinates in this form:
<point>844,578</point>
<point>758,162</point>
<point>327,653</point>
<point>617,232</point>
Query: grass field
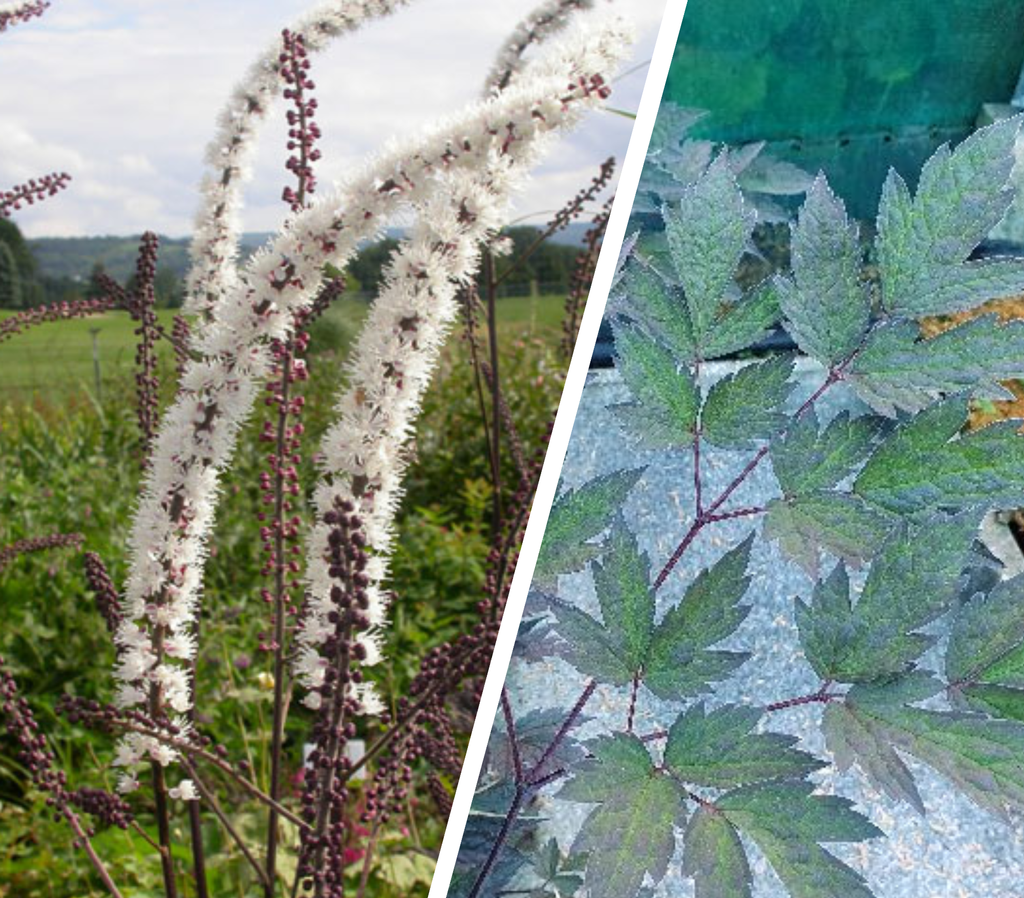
<point>55,361</point>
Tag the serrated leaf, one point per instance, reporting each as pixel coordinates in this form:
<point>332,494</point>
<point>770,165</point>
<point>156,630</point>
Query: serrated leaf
<point>713,856</point>
<point>679,662</point>
<point>708,231</point>
<point>913,580</point>
<point>578,516</point>
<point>787,822</point>
<point>618,761</point>
<point>720,749</point>
<point>622,582</point>
<point>898,370</point>
<point>995,701</point>
<point>589,647</point>
<point>921,467</point>
<point>744,407</point>
<point>841,524</point>
<point>986,630</point>
<point>667,398</point>
<point>983,758</point>
<point>923,242</point>
<point>630,835</point>
<point>856,740</point>
<point>743,323</point>
<point>646,297</point>
<point>826,306</point>
<point>806,461</point>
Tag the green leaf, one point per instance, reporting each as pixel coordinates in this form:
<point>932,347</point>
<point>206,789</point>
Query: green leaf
<point>590,647</point>
<point>578,516</point>
<point>920,467</point>
<point>707,232</point>
<point>659,309</point>
<point>838,523</point>
<point>986,631</point>
<point>622,583</point>
<point>787,822</point>
<point>913,581</point>
<point>923,242</point>
<point>743,323</point>
<point>714,858</point>
<point>619,761</point>
<point>630,835</point>
<point>806,461</point>
<point>826,306</point>
<point>995,701</point>
<point>679,663</point>
<point>983,758</point>
<point>665,413</point>
<point>898,370</point>
<point>854,739</point>
<point>744,407</point>
<point>720,749</point>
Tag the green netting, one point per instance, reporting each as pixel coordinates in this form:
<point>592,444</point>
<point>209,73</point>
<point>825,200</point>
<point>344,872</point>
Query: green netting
<point>850,87</point>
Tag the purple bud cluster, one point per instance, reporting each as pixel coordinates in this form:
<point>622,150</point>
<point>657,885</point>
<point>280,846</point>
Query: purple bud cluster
<point>37,544</point>
<point>32,191</point>
<point>303,131</point>
<point>575,207</point>
<point>103,589</point>
<point>181,336</point>
<point>583,275</point>
<point>105,806</point>
<point>60,311</point>
<point>22,14</point>
<point>325,793</point>
<point>143,309</point>
<point>279,484</point>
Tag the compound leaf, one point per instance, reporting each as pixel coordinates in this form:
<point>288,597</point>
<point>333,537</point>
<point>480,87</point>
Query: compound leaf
<point>720,749</point>
<point>826,306</point>
<point>838,523</point>
<point>665,413</point>
<point>981,757</point>
<point>787,822</point>
<point>923,242</point>
<point>708,231</point>
<point>898,370</point>
<point>744,407</point>
<point>630,834</point>
<point>713,856</point>
<point>920,467</point>
<point>806,461</point>
<point>576,518</point>
<point>912,581</point>
<point>679,662</point>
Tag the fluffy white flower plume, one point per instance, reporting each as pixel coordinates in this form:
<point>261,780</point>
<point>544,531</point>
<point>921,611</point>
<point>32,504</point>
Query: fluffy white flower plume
<point>538,26</point>
<point>390,367</point>
<point>214,248</point>
<point>475,154</point>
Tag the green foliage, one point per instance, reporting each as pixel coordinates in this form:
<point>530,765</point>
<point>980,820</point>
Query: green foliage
<point>898,490</point>
<point>672,657</point>
<point>577,517</point>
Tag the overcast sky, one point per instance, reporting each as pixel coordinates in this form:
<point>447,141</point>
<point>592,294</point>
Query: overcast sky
<point>123,94</point>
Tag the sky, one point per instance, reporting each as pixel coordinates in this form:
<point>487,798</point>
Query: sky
<point>123,95</point>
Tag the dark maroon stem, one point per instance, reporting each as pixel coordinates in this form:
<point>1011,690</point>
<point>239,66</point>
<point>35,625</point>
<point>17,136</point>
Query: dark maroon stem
<point>529,784</point>
<point>822,696</point>
<point>631,714</point>
<point>513,739</point>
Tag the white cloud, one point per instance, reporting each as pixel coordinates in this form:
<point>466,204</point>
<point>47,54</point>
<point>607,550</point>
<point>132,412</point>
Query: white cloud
<point>123,94</point>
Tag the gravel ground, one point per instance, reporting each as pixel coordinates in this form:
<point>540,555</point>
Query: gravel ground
<point>957,851</point>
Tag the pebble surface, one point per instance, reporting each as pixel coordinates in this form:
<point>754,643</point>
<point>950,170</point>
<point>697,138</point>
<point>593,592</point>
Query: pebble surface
<point>956,851</point>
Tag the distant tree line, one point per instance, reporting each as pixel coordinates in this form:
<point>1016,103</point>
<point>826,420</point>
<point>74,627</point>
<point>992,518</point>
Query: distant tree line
<point>55,270</point>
